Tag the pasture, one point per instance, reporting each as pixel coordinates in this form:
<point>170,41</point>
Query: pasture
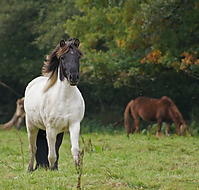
<point>111,161</point>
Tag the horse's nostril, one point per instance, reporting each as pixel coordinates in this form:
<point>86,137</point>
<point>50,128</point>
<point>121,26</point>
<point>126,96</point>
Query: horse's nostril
<point>74,78</point>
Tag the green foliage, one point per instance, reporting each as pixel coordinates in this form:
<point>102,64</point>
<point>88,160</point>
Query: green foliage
<point>141,47</point>
<point>113,31</point>
<point>29,31</point>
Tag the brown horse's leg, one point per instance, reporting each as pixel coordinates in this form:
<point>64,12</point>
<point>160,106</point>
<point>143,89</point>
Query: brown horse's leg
<point>167,128</point>
<point>137,123</point>
<point>129,129</point>
<point>159,128</point>
<point>177,130</point>
<point>19,122</point>
<point>149,128</point>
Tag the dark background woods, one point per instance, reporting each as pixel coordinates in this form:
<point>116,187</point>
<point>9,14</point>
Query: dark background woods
<point>132,48</point>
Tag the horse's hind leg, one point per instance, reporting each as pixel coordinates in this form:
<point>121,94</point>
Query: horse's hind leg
<point>137,123</point>
<point>74,138</point>
<point>167,128</point>
<point>32,136</point>
<point>159,128</point>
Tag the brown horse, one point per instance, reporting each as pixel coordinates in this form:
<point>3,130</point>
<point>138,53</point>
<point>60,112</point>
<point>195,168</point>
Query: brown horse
<point>151,109</point>
<point>18,116</point>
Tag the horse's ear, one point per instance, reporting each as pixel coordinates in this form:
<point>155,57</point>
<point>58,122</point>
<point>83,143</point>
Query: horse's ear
<point>76,42</point>
<point>62,43</point>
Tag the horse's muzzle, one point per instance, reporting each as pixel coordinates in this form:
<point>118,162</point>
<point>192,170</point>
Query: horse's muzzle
<point>74,79</point>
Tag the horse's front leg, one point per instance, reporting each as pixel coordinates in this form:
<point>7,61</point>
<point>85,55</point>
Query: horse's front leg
<point>137,124</point>
<point>51,139</point>
<point>167,128</point>
<point>159,128</point>
<point>32,137</point>
<point>74,138</point>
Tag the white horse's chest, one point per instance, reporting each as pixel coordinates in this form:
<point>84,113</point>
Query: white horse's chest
<point>61,114</point>
<point>56,108</point>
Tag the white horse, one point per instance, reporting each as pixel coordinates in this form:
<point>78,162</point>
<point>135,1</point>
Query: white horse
<point>54,103</point>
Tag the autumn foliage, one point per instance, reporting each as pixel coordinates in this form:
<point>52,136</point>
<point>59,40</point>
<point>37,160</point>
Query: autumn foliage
<point>131,47</point>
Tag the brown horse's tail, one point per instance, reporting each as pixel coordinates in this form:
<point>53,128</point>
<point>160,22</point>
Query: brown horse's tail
<point>127,118</point>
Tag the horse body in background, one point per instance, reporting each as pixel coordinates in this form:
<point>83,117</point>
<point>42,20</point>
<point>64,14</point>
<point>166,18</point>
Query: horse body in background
<point>18,116</point>
<point>151,109</point>
<point>54,103</point>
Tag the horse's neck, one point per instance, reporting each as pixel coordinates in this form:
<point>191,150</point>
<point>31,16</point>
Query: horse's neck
<point>64,88</point>
<point>175,116</point>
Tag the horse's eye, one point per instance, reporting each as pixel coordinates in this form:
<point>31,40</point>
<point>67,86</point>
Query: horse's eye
<point>62,58</point>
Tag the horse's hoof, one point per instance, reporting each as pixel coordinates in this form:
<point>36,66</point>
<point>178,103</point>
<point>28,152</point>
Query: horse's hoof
<point>159,134</point>
<point>54,168</point>
<point>30,170</point>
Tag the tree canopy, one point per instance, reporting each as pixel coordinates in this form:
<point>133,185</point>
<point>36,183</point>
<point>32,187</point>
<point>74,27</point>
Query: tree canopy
<point>131,47</point>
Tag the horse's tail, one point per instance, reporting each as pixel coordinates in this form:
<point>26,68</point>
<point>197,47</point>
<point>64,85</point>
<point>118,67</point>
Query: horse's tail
<point>127,118</point>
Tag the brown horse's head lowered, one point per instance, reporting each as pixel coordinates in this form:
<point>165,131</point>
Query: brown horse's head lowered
<point>175,115</point>
<point>150,109</point>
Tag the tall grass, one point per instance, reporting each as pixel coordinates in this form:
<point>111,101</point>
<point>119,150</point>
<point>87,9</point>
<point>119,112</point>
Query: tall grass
<point>111,161</point>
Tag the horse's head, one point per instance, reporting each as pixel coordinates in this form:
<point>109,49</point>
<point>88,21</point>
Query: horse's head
<point>183,127</point>
<point>69,56</point>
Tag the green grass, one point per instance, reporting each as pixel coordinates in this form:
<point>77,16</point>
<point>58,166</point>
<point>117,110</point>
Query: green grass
<point>111,161</point>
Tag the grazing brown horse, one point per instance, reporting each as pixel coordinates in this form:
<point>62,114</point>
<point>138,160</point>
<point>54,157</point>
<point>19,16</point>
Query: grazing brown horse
<point>18,117</point>
<point>151,109</point>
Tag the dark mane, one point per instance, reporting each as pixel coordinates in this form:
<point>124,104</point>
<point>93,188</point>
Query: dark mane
<point>50,67</point>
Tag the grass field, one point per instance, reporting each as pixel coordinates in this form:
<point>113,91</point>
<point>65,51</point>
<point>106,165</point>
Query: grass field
<point>111,161</point>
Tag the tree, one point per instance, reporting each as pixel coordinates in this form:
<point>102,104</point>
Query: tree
<point>29,31</point>
<point>138,45</point>
<point>131,48</point>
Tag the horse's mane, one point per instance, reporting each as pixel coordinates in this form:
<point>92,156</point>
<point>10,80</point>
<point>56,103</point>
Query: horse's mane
<point>174,110</point>
<point>50,67</point>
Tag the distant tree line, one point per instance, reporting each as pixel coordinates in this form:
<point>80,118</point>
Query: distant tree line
<point>131,48</point>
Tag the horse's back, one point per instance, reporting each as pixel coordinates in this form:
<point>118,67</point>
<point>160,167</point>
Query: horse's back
<point>143,102</point>
<point>37,82</point>
<point>146,107</point>
<point>33,92</point>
